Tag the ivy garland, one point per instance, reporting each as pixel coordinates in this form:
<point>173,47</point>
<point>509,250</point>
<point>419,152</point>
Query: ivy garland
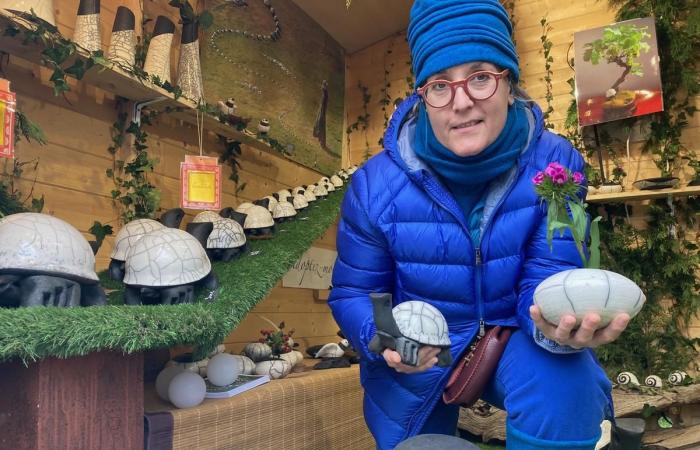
<point>385,99</point>
<point>362,121</point>
<point>548,73</point>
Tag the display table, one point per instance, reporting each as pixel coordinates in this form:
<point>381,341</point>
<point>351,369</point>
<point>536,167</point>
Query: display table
<point>317,409</point>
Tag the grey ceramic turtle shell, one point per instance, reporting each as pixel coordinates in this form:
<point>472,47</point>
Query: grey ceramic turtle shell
<point>257,217</point>
<point>284,209</point>
<point>227,233</point>
<point>336,181</point>
<point>166,257</point>
<point>206,216</point>
<point>45,244</point>
<point>243,207</point>
<point>272,202</point>
<point>130,233</point>
<point>421,322</point>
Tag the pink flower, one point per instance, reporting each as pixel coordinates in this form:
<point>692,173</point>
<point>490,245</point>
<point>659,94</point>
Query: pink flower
<point>553,169</point>
<point>538,179</point>
<point>578,177</point>
<point>560,178</point>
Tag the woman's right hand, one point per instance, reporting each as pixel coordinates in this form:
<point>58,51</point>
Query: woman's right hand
<point>427,358</point>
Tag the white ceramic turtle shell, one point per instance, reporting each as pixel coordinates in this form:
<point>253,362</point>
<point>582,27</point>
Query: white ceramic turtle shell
<point>284,193</point>
<point>421,322</point>
<point>336,181</point>
<point>298,190</point>
<point>243,207</point>
<point>329,187</point>
<point>272,202</point>
<point>580,291</point>
<point>166,257</point>
<point>331,350</point>
<point>351,170</point>
<point>206,216</point>
<point>130,233</point>
<point>324,180</point>
<point>309,195</point>
<point>320,191</point>
<point>257,217</point>
<point>227,233</point>
<point>299,202</point>
<point>284,209</point>
<point>43,243</point>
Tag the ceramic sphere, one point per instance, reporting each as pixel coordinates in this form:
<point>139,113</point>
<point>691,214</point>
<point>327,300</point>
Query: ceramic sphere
<point>163,380</point>
<point>187,389</point>
<point>223,369</point>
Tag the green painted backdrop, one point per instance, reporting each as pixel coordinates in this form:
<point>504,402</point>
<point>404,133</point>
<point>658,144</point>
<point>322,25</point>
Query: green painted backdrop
<point>277,80</point>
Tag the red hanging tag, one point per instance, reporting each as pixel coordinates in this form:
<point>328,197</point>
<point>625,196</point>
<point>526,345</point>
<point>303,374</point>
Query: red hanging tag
<point>200,178</point>
<point>8,105</point>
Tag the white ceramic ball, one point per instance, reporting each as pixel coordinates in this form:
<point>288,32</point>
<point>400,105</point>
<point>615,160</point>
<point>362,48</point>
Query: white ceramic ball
<point>187,389</point>
<point>581,291</point>
<point>163,380</point>
<point>223,369</point>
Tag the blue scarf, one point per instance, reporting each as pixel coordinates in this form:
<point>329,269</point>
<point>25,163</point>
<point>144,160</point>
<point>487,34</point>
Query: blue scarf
<point>468,176</point>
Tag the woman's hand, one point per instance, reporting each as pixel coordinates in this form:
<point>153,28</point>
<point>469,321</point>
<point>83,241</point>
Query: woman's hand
<point>427,358</point>
<point>586,335</point>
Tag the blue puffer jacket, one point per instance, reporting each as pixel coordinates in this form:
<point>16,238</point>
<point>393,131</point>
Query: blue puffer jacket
<point>402,232</point>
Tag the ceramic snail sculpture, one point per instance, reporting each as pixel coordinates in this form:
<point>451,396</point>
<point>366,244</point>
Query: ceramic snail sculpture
<point>653,381</point>
<point>677,377</point>
<point>627,378</point>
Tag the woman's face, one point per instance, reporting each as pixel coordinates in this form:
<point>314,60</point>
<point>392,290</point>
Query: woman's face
<point>466,127</point>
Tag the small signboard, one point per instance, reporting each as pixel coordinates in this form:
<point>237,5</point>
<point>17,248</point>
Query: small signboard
<point>8,103</point>
<point>313,270</point>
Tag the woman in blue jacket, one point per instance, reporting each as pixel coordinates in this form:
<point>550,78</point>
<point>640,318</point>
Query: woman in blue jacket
<point>447,214</point>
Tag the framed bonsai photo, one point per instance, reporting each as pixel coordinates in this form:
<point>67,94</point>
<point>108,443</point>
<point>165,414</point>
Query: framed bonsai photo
<point>617,72</point>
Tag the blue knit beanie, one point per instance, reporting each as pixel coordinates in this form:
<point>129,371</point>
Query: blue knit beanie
<point>446,33</point>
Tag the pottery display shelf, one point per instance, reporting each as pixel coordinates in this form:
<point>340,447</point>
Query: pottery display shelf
<point>639,195</point>
<point>119,82</point>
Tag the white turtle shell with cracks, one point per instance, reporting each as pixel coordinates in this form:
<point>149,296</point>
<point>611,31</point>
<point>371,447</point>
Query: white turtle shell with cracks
<point>130,233</point>
<point>167,257</point>
<point>43,243</point>
<point>421,322</point>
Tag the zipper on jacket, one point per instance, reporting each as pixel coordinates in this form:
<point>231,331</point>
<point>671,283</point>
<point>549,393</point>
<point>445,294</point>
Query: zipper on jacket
<point>479,300</point>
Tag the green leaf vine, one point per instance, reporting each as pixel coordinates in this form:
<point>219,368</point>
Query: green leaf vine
<point>362,122</point>
<point>548,73</point>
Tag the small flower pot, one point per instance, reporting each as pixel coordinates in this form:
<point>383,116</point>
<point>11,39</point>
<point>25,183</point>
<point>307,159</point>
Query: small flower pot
<point>581,291</point>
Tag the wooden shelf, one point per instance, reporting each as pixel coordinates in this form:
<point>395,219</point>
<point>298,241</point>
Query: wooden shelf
<point>620,197</point>
<point>118,82</point>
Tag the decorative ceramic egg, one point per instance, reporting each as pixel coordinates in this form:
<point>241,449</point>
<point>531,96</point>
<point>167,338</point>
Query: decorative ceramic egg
<point>275,368</point>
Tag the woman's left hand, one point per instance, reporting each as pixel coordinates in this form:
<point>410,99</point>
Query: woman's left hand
<point>585,335</point>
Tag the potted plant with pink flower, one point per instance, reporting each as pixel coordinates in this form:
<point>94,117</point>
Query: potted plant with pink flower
<point>589,289</point>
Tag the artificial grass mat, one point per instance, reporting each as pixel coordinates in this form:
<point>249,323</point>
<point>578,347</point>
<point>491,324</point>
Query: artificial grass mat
<point>38,332</point>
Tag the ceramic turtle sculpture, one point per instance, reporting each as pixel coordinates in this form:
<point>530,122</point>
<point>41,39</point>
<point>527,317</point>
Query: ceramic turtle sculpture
<point>243,207</point>
<point>284,211</point>
<point>329,186</point>
<point>264,126</point>
<point>324,180</point>
<point>130,233</point>
<point>259,223</point>
<point>166,265</point>
<point>351,170</point>
<point>298,190</point>
<point>272,202</point>
<point>299,202</point>
<point>227,238</point>
<point>45,261</point>
<point>407,327</point>
<point>283,193</point>
<point>343,174</point>
<point>336,181</point>
<point>227,107</point>
<point>319,191</point>
<point>309,195</point>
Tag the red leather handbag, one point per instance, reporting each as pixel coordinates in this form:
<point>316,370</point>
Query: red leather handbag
<point>476,367</point>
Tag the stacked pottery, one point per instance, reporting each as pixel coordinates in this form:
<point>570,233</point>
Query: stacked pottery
<point>158,57</point>
<point>87,26</point>
<point>122,45</point>
<point>189,72</point>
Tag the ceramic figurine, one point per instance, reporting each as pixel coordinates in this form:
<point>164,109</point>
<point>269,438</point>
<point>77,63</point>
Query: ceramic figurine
<point>407,326</point>
<point>299,202</point>
<point>227,107</point>
<point>165,265</point>
<point>336,181</point>
<point>653,381</point>
<point>627,378</point>
<point>87,26</point>
<point>259,222</point>
<point>257,351</point>
<point>275,368</point>
<point>158,56</point>
<point>227,239</point>
<point>264,126</point>
<point>130,233</point>
<point>189,71</point>
<point>677,377</point>
<point>283,212</point>
<point>45,261</point>
<point>122,45</point>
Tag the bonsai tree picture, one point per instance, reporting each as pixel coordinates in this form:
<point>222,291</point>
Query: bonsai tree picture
<point>621,45</point>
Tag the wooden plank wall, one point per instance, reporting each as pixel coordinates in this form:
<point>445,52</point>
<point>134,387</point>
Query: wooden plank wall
<point>391,56</point>
<point>71,170</point>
